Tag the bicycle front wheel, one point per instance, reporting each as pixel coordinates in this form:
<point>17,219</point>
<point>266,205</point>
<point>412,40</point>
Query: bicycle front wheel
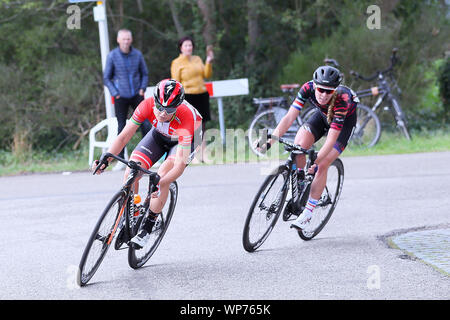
<point>268,120</point>
<point>138,257</point>
<point>368,128</point>
<point>265,209</point>
<point>327,202</point>
<point>101,238</point>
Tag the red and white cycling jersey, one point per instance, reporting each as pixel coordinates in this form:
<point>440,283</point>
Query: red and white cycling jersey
<point>184,122</point>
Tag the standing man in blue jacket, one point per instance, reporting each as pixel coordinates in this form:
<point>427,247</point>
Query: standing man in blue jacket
<point>126,77</point>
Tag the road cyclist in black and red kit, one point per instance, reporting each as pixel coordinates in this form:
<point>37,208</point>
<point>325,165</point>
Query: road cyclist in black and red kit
<point>176,131</point>
<point>335,116</point>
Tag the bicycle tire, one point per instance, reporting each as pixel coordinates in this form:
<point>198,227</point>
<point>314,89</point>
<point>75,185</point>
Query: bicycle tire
<point>400,119</point>
<point>367,132</point>
<point>138,257</point>
<point>268,120</point>
<point>327,202</point>
<point>273,210</point>
<point>103,233</point>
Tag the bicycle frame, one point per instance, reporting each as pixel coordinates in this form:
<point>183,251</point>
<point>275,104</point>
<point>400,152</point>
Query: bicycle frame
<point>281,102</point>
<point>383,89</point>
<point>135,172</point>
<point>293,172</point>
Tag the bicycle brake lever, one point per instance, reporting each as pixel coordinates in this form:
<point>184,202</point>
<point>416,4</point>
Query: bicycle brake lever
<point>101,162</point>
<point>155,179</point>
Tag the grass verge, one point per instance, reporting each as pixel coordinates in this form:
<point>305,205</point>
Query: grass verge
<point>233,152</point>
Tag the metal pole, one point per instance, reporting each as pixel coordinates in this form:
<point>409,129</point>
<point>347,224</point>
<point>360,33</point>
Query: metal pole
<point>100,17</point>
<point>221,119</point>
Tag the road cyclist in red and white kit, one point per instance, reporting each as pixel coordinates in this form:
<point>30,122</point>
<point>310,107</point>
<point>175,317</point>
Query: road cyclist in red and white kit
<point>176,131</point>
<point>335,114</point>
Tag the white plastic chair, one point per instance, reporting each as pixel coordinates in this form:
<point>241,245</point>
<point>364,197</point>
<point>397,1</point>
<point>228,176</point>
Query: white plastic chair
<point>112,134</point>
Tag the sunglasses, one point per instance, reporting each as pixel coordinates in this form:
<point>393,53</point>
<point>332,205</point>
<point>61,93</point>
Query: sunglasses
<point>327,91</point>
<point>164,109</point>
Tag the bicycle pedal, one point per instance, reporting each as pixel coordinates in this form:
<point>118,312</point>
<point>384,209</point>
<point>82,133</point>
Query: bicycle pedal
<point>122,247</point>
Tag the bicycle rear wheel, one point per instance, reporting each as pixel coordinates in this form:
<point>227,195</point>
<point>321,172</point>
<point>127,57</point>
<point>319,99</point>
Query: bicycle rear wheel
<point>368,128</point>
<point>102,237</point>
<point>327,202</point>
<point>265,209</point>
<point>268,120</point>
<point>138,257</point>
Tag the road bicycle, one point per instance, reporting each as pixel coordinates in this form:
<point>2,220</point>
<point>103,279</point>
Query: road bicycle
<point>386,81</point>
<point>269,113</point>
<point>121,220</point>
<point>271,197</point>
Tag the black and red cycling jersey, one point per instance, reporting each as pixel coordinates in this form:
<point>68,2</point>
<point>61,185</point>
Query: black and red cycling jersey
<point>344,105</point>
<point>182,130</point>
<point>181,127</point>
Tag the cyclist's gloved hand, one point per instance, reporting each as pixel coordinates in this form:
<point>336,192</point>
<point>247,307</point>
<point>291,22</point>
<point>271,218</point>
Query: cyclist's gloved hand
<point>98,166</point>
<point>313,169</point>
<point>262,147</point>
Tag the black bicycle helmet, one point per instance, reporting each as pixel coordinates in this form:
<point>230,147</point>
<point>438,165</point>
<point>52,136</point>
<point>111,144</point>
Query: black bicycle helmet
<point>327,76</point>
<point>168,93</point>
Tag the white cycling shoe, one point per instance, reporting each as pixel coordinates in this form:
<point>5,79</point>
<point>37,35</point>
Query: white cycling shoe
<point>139,240</point>
<point>303,220</point>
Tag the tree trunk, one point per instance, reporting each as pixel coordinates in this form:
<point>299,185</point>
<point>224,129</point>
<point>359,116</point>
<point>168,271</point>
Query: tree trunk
<point>388,5</point>
<point>140,31</point>
<point>253,30</point>
<point>120,13</point>
<point>208,8</point>
<point>176,20</point>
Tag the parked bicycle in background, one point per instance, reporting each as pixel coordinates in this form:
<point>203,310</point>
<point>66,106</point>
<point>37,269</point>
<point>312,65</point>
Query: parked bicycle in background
<point>269,113</point>
<point>386,82</point>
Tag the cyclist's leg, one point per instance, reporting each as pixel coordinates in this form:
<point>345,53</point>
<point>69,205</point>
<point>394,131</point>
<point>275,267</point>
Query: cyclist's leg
<point>157,204</point>
<point>148,151</point>
<point>320,178</point>
<point>309,133</point>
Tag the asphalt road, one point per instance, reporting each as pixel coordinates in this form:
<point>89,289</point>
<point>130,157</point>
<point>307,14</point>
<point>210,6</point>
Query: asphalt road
<point>47,219</point>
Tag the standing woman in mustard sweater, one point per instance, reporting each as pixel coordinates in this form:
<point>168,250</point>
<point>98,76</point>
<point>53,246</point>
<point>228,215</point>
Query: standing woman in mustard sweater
<point>191,72</point>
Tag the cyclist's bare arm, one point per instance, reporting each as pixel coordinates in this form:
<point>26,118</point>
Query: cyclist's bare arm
<point>120,142</point>
<point>123,138</point>
<point>285,123</point>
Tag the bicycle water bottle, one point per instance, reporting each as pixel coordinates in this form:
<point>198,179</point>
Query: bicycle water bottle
<point>137,199</point>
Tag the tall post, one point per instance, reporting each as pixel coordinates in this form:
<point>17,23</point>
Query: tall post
<point>100,17</point>
<point>221,119</point>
